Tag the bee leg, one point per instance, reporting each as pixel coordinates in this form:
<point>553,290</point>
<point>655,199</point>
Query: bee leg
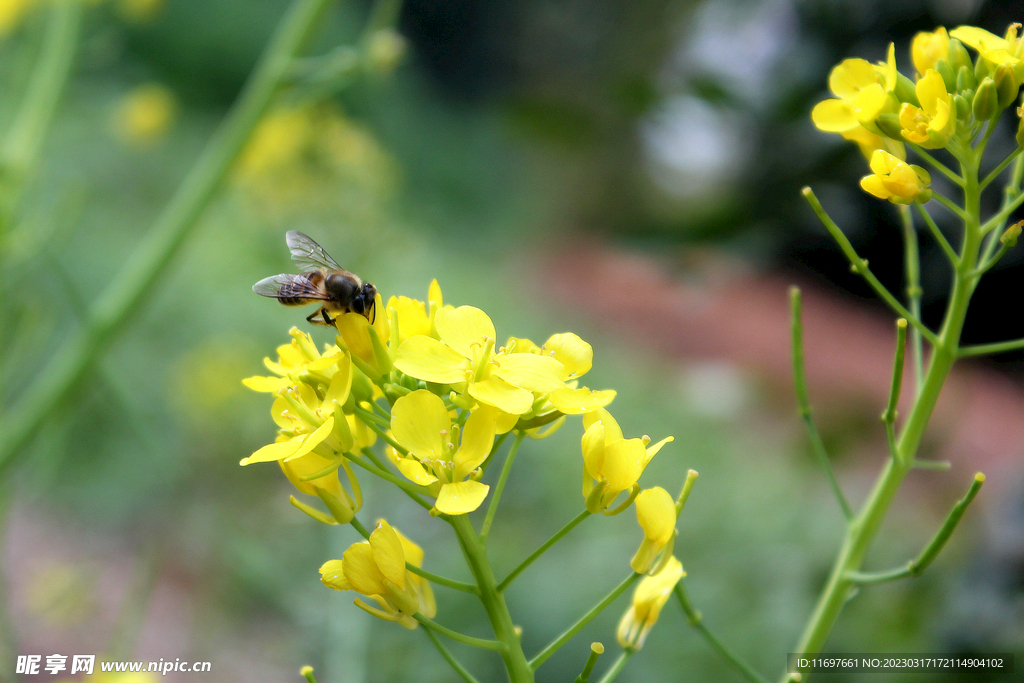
<point>312,317</point>
<point>328,320</point>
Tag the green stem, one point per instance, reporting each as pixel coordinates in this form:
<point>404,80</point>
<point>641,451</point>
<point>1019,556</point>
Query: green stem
<point>129,289</point>
<point>413,490</point>
<point>1000,168</point>
<point>889,416</point>
<point>912,267</point>
<point>596,650</point>
<point>696,620</point>
<point>505,469</point>
<point>494,645</point>
<point>988,349</point>
<point>454,663</point>
<point>24,141</point>
<point>551,649</point>
<point>617,666</point>
<point>684,494</point>
<point>863,529</point>
<point>938,165</point>
<point>369,419</point>
<point>543,549</point>
<point>442,581</point>
<point>916,567</point>
<point>860,266</point>
<point>949,204</point>
<point>518,668</point>
<point>1000,218</point>
<point>804,403</point>
<point>947,248</point>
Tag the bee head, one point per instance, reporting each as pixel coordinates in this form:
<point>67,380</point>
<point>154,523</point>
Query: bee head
<point>364,302</point>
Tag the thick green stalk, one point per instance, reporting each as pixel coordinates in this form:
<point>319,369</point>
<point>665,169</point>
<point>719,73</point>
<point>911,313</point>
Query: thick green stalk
<point>865,525</point>
<point>129,288</point>
<point>518,668</point>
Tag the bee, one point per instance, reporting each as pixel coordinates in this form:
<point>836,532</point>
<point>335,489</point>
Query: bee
<point>323,281</point>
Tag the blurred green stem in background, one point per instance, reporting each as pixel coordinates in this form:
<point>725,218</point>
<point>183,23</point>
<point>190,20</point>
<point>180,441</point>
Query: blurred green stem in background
<point>23,142</point>
<point>129,289</point>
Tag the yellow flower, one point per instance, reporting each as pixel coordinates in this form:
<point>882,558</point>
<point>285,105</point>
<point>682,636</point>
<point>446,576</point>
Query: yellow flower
<point>376,568</point>
<point>140,11</point>
<point>297,362</point>
<point>611,463</point>
<point>438,458</point>
<point>896,180</point>
<point>934,122</point>
<point>928,48</point>
<point>307,420</point>
<point>864,91</point>
<point>656,513</point>
<point>145,115</point>
<point>1007,51</point>
<point>366,341</point>
<point>649,597</point>
<point>464,357</point>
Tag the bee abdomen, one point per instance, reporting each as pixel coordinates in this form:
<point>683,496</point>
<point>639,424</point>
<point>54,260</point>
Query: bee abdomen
<point>297,291</point>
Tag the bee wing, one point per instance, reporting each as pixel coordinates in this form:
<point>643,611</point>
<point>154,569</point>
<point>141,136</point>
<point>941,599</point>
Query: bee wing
<point>307,254</point>
<point>289,286</point>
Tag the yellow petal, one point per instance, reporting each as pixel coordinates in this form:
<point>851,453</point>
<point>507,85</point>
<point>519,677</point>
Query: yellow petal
<point>332,575</point>
<point>593,449</point>
<point>434,297</point>
<point>415,472</point>
<point>978,38</point>
<point>360,570</point>
<point>275,451</point>
<point>341,383</point>
<point>623,463</point>
<point>426,358</point>
<point>575,354</point>
<point>313,440</point>
<point>579,401</point>
<point>412,317</point>
<point>477,439</point>
<point>420,422</point>
<point>930,89</point>
<point>653,449</point>
<point>833,116</point>
<point>266,384</point>
<point>496,392</point>
<point>521,345</point>
<point>311,464</point>
<point>413,553</point>
<point>461,497</point>
<point>612,431</point>
<point>850,76</point>
<point>463,328</point>
<point>542,374</point>
<point>504,422</point>
<point>656,513</point>
<point>354,331</point>
<point>388,553</point>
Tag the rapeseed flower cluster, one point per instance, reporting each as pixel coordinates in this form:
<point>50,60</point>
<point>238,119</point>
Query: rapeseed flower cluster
<point>946,104</point>
<point>433,382</point>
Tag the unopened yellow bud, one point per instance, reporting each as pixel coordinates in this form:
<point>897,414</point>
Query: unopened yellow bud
<point>965,79</point>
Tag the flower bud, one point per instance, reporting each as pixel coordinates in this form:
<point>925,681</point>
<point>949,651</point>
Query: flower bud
<point>1020,127</point>
<point>1006,85</point>
<point>981,70</point>
<point>963,106</point>
<point>889,124</point>
<point>905,90</point>
<point>958,57</point>
<point>965,79</point>
<point>947,73</point>
<point>1009,238</point>
<point>986,100</point>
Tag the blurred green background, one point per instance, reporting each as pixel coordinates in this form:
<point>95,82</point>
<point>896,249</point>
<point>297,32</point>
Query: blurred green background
<point>509,138</point>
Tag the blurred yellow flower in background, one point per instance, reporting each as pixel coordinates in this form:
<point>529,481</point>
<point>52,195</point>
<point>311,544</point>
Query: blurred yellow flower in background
<point>139,11</point>
<point>145,115</point>
<point>12,12</point>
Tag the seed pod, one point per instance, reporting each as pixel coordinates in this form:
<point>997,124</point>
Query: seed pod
<point>1009,238</point>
